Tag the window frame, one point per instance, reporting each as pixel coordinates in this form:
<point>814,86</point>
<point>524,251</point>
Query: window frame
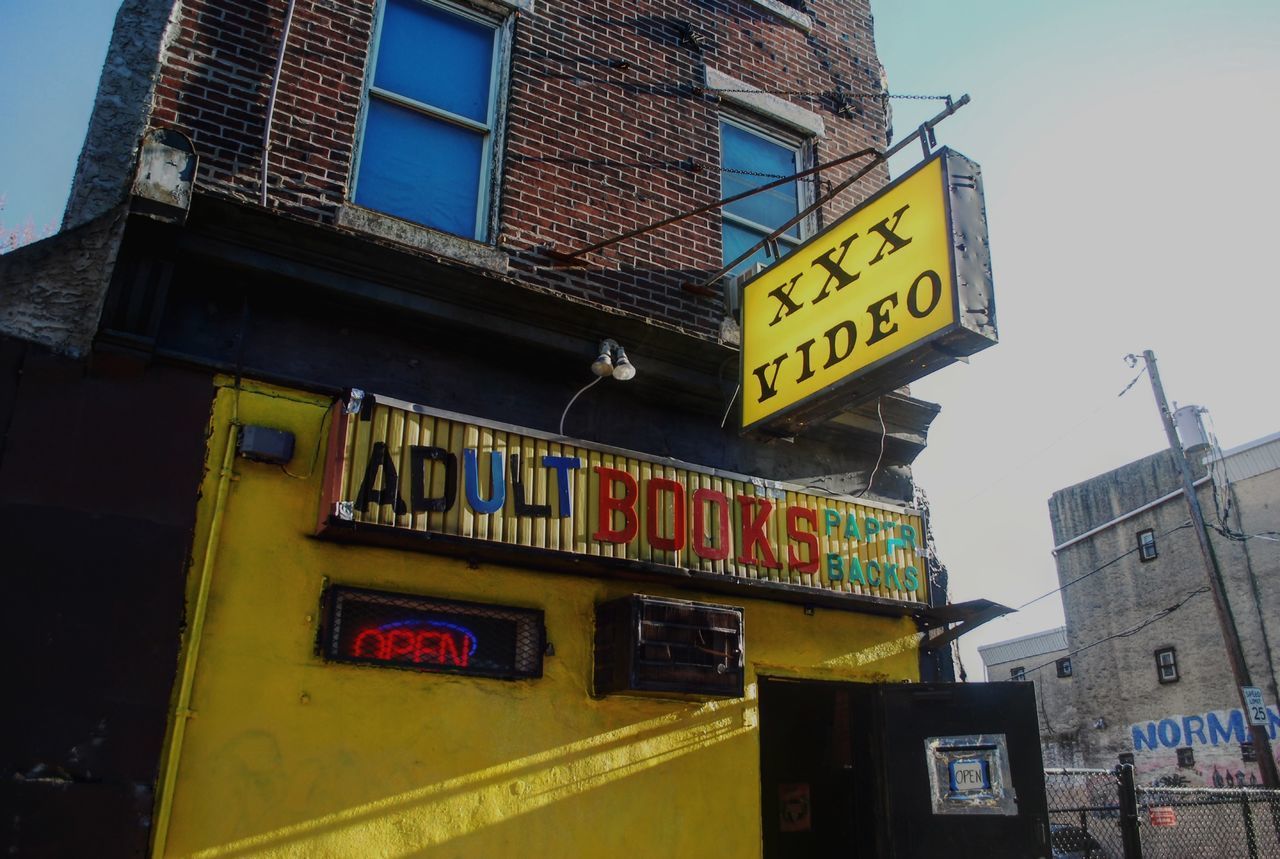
<point>1172,664</point>
<point>1147,549</point>
<point>1018,674</point>
<point>1186,757</point>
<point>1064,666</point>
<point>492,130</point>
<point>803,147</point>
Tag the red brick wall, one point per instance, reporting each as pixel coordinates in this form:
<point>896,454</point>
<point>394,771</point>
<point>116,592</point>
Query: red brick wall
<point>607,128</point>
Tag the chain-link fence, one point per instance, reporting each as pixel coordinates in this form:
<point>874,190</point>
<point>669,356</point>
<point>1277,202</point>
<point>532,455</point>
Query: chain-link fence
<point>1091,817</point>
<point>1209,821</point>
<point>1084,814</point>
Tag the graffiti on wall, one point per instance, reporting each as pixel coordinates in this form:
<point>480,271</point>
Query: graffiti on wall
<point>1213,749</point>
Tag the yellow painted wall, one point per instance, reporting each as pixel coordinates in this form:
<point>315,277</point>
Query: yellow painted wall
<point>288,756</point>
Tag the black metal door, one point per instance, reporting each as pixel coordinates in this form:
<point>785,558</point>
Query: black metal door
<point>813,802</point>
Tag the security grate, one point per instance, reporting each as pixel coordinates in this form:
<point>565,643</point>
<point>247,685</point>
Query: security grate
<point>647,644</point>
<point>421,633</point>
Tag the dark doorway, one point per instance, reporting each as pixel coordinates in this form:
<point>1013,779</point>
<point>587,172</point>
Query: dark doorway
<point>812,801</point>
<point>877,770</point>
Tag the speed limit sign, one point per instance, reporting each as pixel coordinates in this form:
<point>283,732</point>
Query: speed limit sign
<point>1253,705</point>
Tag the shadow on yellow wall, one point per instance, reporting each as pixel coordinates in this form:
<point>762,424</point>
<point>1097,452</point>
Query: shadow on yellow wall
<point>286,755</point>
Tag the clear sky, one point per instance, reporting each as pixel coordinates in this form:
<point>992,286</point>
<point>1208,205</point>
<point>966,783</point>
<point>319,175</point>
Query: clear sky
<point>51,55</point>
<point>1132,195</point>
<point>1131,187</point>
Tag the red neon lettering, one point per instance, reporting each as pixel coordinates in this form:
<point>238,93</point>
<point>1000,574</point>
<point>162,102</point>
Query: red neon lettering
<point>675,542</point>
<point>753,526</point>
<point>374,636</point>
<point>428,645</point>
<point>626,505</point>
<point>400,642</point>
<point>794,516</point>
<point>701,547</point>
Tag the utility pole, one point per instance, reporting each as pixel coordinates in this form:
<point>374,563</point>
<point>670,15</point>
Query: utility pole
<point>1230,637</point>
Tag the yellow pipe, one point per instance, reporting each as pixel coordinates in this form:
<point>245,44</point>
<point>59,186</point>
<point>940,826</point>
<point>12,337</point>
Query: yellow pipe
<point>182,711</point>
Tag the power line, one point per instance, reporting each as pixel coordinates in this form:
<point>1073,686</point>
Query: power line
<point>1114,560</point>
<point>1133,630</point>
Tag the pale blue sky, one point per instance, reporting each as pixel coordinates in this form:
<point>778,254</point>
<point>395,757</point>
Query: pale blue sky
<point>51,54</point>
<point>1131,190</point>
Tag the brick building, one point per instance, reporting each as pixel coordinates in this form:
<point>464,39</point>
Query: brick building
<point>1149,672</point>
<point>304,390</point>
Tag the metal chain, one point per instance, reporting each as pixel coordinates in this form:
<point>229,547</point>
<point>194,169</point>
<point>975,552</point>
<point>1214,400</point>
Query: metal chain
<point>877,96</point>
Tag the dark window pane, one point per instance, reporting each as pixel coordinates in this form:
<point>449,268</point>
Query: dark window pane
<point>436,57</point>
<point>420,169</point>
<point>742,150</point>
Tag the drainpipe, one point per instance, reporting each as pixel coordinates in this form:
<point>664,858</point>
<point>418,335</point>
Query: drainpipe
<point>182,710</point>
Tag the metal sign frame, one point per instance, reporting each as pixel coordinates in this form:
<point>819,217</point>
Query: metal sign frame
<point>972,327</point>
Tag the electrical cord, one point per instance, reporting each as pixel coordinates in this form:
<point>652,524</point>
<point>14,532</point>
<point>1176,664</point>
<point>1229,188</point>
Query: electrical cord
<point>1114,560</point>
<point>1133,630</point>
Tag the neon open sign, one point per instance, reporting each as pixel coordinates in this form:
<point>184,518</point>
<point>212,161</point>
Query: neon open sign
<point>427,634</point>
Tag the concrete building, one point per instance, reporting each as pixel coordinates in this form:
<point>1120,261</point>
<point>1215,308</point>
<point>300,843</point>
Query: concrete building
<point>1042,659</point>
<point>1149,674</point>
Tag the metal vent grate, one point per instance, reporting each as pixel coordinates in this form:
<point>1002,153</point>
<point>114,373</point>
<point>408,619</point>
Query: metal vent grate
<point>651,644</point>
<point>427,634</point>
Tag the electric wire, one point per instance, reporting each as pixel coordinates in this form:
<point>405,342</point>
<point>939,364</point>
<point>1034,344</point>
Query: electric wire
<point>574,399</point>
<point>1131,631</point>
<point>883,435</point>
<point>1099,569</point>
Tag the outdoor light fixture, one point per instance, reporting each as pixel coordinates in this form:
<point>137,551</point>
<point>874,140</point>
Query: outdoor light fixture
<point>613,361</point>
<point>623,369</point>
<point>603,365</point>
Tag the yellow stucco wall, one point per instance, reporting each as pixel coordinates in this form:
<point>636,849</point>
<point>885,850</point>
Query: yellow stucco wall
<point>288,756</point>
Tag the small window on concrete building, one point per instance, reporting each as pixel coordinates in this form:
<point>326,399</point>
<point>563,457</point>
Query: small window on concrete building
<point>1126,758</point>
<point>1167,665</point>
<point>1064,666</point>
<point>1147,545</point>
<point>1018,673</point>
<point>1186,757</point>
<point>1248,754</point>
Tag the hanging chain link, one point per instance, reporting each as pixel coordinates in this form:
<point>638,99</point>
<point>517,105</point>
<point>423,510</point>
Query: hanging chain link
<point>883,96</point>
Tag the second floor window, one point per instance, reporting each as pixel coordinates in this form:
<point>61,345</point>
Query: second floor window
<point>1167,665</point>
<point>426,149</point>
<point>1064,666</point>
<point>1147,545</point>
<point>1019,673</point>
<point>750,158</point>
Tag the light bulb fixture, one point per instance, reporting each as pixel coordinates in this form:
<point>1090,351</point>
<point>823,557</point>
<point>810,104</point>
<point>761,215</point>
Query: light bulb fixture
<point>603,365</point>
<point>612,360</point>
<point>623,369</point>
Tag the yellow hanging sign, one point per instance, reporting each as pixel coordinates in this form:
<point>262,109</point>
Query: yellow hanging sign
<point>895,289</point>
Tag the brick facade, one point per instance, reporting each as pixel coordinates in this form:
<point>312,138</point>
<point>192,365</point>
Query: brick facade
<point>608,126</point>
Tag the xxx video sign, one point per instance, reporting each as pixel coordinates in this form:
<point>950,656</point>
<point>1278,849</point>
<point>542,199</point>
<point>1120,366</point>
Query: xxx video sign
<point>894,290</point>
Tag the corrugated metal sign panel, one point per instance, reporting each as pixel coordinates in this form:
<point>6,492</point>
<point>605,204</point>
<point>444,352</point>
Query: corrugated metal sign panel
<point>407,468</point>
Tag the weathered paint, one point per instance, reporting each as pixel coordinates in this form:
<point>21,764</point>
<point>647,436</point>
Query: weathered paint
<point>287,755</point>
<point>409,468</point>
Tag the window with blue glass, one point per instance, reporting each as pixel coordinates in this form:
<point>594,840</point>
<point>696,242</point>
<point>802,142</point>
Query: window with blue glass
<point>427,146</point>
<point>750,158</point>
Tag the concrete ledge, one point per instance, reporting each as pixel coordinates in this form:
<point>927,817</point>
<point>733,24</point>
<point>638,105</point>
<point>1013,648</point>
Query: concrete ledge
<point>792,16</point>
<point>423,238</point>
<point>771,106</point>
